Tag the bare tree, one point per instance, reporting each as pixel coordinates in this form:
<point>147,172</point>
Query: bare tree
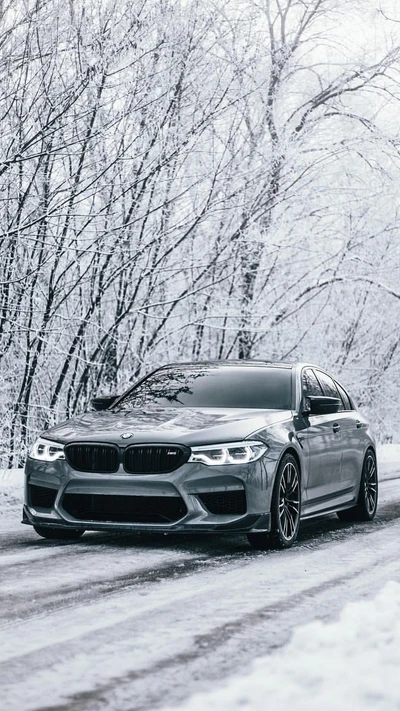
<point>188,181</point>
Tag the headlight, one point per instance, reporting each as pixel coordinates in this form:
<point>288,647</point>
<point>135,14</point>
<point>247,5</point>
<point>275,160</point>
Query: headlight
<point>47,451</point>
<point>231,453</point>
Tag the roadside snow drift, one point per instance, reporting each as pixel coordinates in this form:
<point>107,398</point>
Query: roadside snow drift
<point>351,664</point>
<point>11,489</point>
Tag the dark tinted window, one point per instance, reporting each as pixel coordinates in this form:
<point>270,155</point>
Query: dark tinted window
<point>344,397</point>
<point>209,385</point>
<point>328,385</point>
<point>311,385</point>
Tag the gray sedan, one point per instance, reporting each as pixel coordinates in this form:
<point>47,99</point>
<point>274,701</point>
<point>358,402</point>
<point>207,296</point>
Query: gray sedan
<point>244,446</point>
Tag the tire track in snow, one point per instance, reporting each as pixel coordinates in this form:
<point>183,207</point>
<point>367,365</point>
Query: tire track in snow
<point>313,535</point>
<point>73,595</point>
<point>155,679</point>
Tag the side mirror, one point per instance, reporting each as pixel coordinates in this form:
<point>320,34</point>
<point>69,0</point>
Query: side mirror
<point>103,402</point>
<point>320,405</point>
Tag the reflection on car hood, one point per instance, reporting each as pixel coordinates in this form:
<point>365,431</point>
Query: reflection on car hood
<point>167,424</point>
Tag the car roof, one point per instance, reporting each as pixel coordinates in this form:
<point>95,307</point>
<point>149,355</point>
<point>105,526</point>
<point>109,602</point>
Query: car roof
<point>233,362</point>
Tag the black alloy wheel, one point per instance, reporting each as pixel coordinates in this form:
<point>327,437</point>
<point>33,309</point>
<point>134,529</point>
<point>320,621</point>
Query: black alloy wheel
<point>61,534</point>
<point>285,508</point>
<point>365,509</point>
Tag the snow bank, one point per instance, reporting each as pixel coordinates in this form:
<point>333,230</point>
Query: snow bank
<point>388,461</point>
<point>11,489</point>
<point>351,664</point>
<point>11,478</point>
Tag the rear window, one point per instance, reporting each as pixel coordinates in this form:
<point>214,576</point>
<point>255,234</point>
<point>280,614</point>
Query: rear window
<point>213,385</point>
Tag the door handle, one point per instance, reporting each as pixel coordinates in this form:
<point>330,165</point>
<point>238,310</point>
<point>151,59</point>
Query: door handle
<point>358,424</point>
<point>336,427</point>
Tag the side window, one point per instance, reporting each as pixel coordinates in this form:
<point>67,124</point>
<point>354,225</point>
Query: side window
<point>328,385</point>
<point>344,397</point>
<point>311,385</point>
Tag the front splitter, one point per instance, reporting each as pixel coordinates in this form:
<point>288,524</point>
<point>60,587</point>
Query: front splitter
<point>246,524</point>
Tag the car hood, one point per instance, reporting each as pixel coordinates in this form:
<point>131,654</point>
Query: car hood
<point>182,426</point>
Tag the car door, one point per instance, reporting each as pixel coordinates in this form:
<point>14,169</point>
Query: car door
<point>321,442</point>
<point>353,429</point>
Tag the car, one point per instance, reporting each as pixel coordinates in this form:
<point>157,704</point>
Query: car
<point>229,446</point>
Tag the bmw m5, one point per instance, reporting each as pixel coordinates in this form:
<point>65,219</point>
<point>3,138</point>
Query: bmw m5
<point>246,446</point>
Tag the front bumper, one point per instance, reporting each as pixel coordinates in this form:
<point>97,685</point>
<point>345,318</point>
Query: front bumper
<point>192,483</point>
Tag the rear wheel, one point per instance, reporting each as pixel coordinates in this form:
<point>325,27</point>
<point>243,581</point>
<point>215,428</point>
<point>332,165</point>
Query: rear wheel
<point>365,509</point>
<point>285,508</point>
<point>62,534</point>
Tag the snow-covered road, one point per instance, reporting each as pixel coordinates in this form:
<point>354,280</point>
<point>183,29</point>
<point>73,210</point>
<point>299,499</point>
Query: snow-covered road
<point>139,622</point>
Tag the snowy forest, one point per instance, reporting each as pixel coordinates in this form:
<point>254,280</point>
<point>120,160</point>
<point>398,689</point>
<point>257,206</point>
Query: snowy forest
<point>195,179</point>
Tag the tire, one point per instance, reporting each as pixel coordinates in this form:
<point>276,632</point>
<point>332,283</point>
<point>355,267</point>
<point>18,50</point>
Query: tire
<point>62,534</point>
<point>285,508</point>
<point>365,509</point>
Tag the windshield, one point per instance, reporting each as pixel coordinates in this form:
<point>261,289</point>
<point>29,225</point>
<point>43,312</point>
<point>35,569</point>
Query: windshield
<point>212,385</point>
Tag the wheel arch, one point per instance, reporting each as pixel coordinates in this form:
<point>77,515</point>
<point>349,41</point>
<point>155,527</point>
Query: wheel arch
<point>369,448</point>
<point>372,449</point>
<point>295,454</point>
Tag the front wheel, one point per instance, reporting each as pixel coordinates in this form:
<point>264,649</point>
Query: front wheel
<point>285,508</point>
<point>62,534</point>
<point>365,509</point>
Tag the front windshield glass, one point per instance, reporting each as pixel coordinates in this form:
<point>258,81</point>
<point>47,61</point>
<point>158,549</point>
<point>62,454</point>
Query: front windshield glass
<point>212,385</point>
